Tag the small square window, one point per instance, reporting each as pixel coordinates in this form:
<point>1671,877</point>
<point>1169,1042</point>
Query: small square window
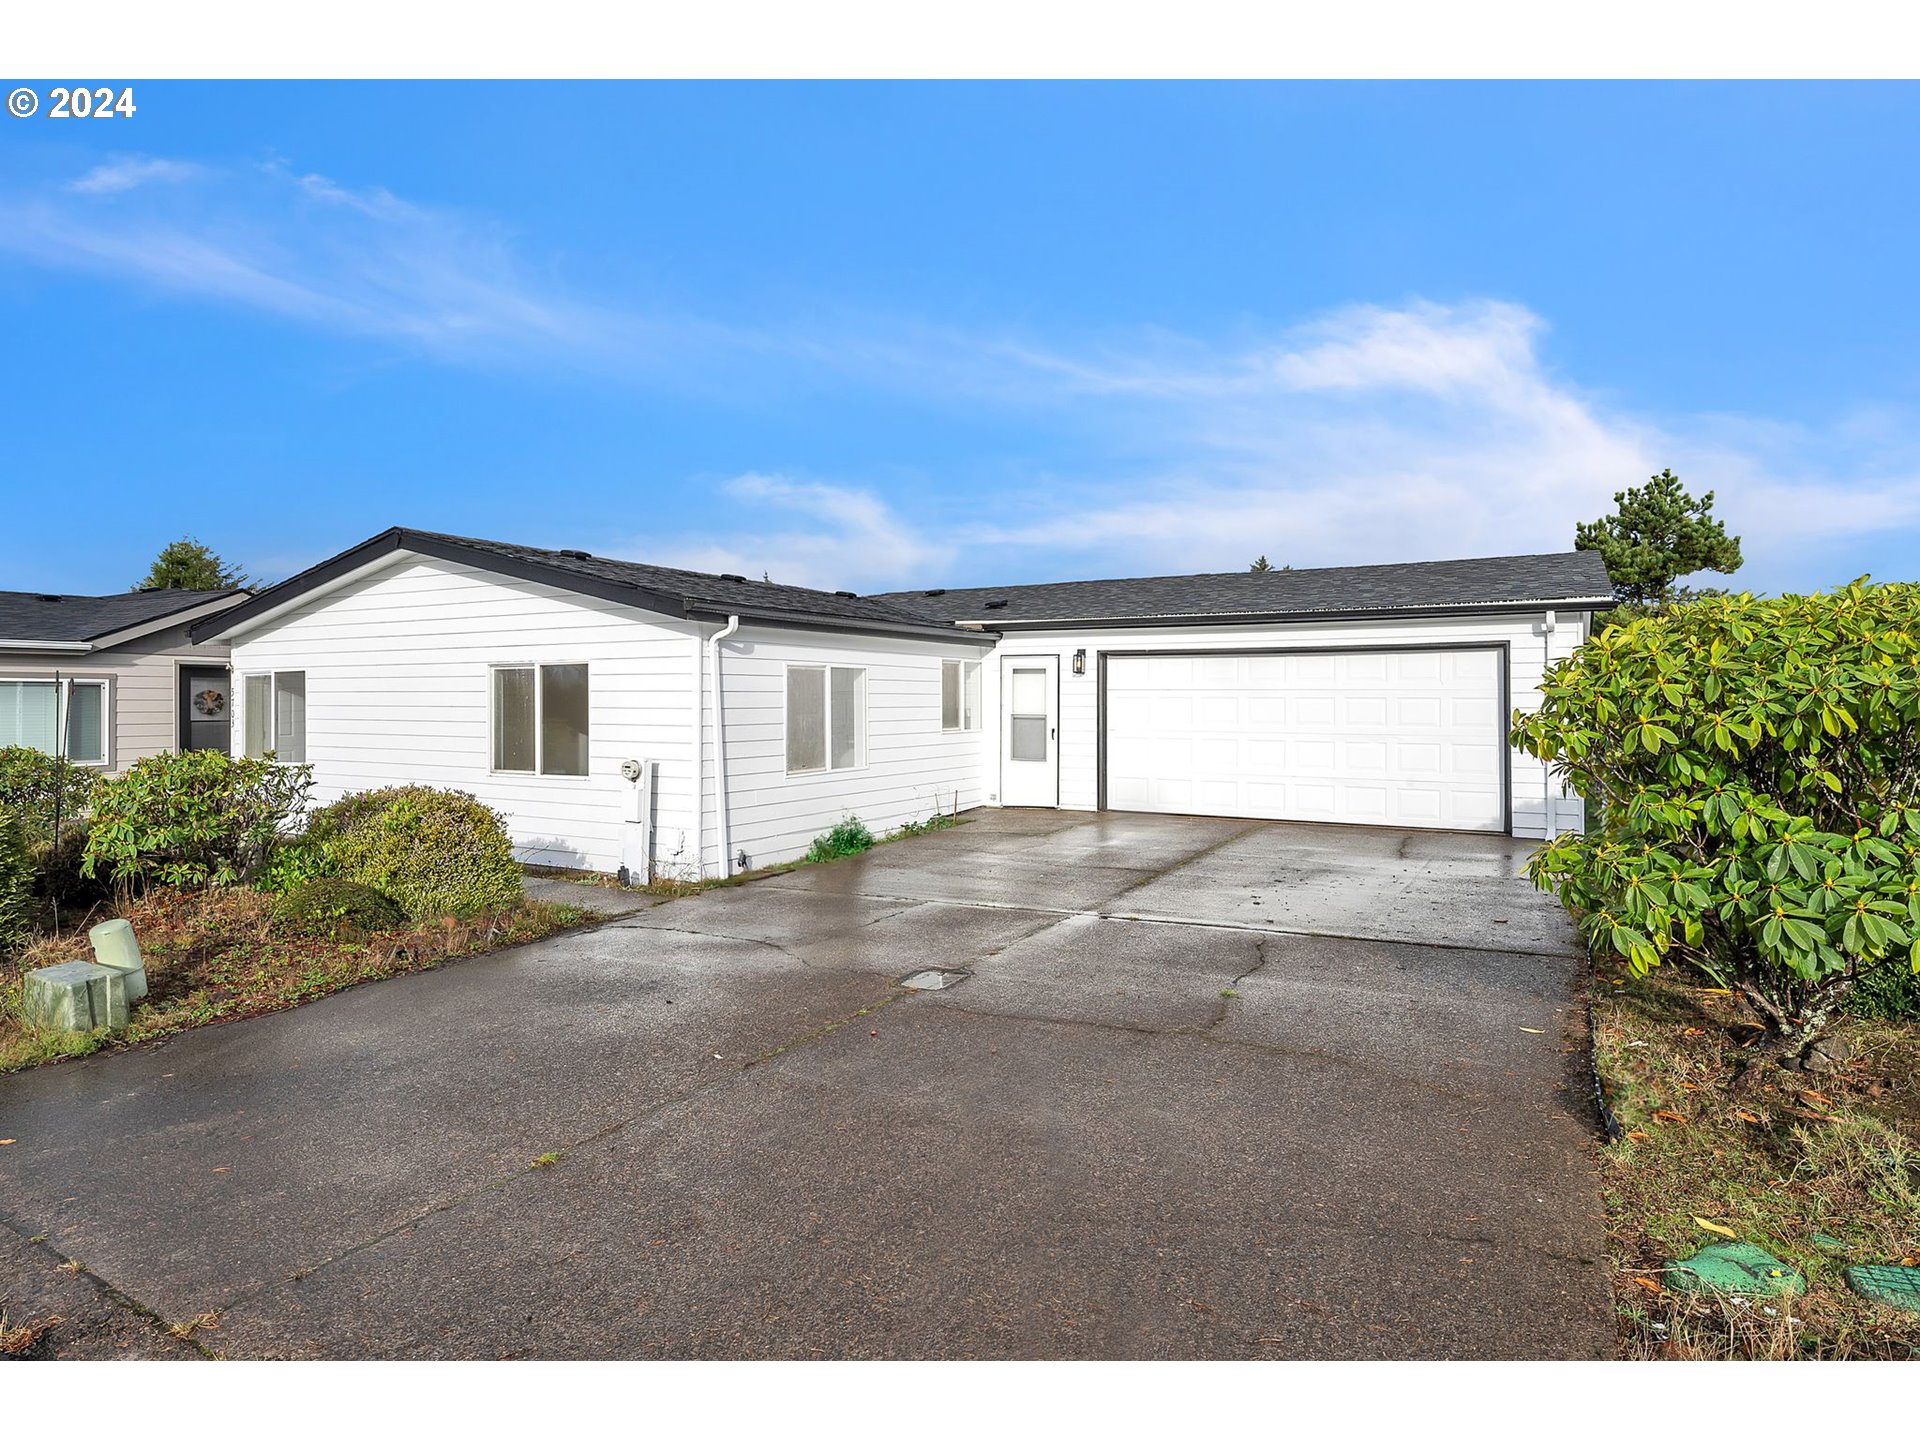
<point>275,719</point>
<point>826,718</point>
<point>540,719</point>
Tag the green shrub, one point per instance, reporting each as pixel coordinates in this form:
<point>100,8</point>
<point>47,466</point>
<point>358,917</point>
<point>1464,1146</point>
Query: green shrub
<point>1753,790</point>
<point>16,884</point>
<point>336,907</point>
<point>59,870</point>
<point>435,852</point>
<point>1886,992</point>
<point>849,837</point>
<point>192,818</point>
<point>34,784</point>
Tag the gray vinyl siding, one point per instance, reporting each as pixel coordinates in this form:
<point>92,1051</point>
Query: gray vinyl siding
<point>142,699</point>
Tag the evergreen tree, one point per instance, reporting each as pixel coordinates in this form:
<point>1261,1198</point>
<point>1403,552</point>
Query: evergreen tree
<point>186,564</point>
<point>1658,534</point>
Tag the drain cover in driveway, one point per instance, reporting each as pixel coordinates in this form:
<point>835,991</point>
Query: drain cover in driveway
<point>934,979</point>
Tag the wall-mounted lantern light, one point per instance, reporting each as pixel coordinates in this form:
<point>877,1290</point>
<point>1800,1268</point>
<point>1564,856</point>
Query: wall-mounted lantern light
<point>1079,662</point>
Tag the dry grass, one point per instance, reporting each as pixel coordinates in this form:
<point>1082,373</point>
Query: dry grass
<point>221,955</point>
<point>20,1340</point>
<point>1797,1156</point>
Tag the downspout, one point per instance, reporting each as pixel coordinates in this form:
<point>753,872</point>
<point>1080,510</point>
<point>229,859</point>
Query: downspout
<point>1546,770</point>
<point>720,746</point>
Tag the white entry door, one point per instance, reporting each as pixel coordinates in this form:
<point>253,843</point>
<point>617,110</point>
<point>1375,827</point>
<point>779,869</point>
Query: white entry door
<point>1383,737</point>
<point>1030,730</point>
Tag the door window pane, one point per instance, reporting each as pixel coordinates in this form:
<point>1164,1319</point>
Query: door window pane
<point>259,715</point>
<point>1029,738</point>
<point>806,719</point>
<point>87,723</point>
<point>970,713</point>
<point>949,694</point>
<point>1029,692</point>
<point>29,714</point>
<point>849,717</point>
<point>290,715</point>
<point>563,719</point>
<point>512,720</point>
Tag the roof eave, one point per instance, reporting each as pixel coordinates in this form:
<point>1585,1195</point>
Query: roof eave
<point>1282,617</point>
<point>932,630</point>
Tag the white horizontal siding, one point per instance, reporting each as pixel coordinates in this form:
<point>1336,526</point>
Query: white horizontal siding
<point>398,665</point>
<point>1529,650</point>
<point>912,766</point>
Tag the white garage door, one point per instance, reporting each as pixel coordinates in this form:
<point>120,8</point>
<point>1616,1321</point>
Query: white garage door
<point>1410,738</point>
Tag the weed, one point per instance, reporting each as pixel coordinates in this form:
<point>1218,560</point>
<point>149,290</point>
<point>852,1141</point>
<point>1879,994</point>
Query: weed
<point>19,1339</point>
<point>541,1162</point>
<point>849,837</point>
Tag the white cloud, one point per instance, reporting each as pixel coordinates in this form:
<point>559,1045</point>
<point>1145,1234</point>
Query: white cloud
<point>306,248</point>
<point>843,536</point>
<point>126,172</point>
<point>1367,433</point>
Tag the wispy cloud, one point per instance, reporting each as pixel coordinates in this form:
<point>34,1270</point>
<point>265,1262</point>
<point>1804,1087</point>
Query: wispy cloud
<point>127,172</point>
<point>306,248</point>
<point>1367,433</point>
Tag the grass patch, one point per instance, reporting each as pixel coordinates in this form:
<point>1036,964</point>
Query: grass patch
<point>215,955</point>
<point>1823,1170</point>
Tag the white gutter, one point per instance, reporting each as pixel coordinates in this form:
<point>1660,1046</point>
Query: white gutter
<point>63,647</point>
<point>1546,770</point>
<point>720,745</point>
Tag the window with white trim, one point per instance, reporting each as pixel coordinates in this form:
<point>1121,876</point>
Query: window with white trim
<point>826,718</point>
<point>959,694</point>
<point>57,717</point>
<point>539,719</point>
<point>274,716</point>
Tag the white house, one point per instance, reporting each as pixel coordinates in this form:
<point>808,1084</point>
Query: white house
<point>630,716</point>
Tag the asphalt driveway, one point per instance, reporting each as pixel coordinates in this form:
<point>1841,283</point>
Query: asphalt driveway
<point>1212,1089</point>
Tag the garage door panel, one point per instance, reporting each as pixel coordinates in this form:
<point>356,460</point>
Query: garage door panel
<point>1378,737</point>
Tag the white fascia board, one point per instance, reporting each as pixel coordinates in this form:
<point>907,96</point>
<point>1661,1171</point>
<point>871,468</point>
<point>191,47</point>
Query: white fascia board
<point>339,582</point>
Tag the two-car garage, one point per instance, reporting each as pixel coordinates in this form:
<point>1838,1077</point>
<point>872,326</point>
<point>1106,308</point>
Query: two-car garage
<point>1407,737</point>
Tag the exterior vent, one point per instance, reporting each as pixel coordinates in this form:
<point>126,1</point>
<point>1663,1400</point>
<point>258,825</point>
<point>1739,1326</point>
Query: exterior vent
<point>994,605</point>
<point>846,595</point>
<point>48,599</point>
<point>737,579</point>
<point>931,593</point>
<point>576,554</point>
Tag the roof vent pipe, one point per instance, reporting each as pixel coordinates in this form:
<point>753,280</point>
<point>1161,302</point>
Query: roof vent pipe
<point>720,744</point>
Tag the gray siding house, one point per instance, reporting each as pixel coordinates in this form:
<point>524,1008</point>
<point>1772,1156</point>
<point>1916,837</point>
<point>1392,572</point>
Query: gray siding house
<point>107,679</point>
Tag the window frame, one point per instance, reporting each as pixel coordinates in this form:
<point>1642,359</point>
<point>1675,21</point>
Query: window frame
<point>963,670</point>
<point>63,713</point>
<point>539,772</point>
<point>239,685</point>
<point>827,767</point>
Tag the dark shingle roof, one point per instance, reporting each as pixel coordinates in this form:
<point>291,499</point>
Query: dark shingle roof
<point>76,619</point>
<point>702,592</point>
<point>657,588</point>
<point>1504,580</point>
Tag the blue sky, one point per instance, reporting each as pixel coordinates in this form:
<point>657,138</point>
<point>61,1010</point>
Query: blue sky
<point>874,336</point>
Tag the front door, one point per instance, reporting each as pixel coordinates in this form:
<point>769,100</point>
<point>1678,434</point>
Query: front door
<point>206,708</point>
<point>1030,730</point>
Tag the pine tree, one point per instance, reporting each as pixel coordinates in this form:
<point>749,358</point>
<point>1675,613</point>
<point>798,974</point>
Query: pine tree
<point>1659,533</point>
<point>186,564</point>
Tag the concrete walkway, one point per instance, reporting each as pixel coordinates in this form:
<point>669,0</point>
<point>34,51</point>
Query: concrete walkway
<point>1212,1088</point>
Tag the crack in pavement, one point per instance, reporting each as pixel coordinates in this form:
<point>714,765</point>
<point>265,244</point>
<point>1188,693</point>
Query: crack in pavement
<point>108,1291</point>
<point>947,1000</point>
<point>502,1182</point>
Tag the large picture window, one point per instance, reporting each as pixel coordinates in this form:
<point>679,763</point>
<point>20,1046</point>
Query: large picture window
<point>35,713</point>
<point>826,718</point>
<point>275,718</point>
<point>540,719</point>
<point>959,694</point>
